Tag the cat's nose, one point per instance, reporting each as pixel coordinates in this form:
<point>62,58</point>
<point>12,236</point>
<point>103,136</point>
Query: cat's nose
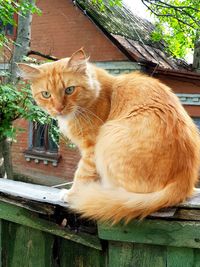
<point>60,108</point>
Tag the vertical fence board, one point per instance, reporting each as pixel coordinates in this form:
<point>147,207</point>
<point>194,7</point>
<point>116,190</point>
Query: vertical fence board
<point>77,255</point>
<point>0,243</point>
<point>30,240</point>
<point>19,215</point>
<point>196,257</point>
<point>149,255</point>
<point>26,247</point>
<point>136,255</point>
<point>120,254</point>
<point>183,257</point>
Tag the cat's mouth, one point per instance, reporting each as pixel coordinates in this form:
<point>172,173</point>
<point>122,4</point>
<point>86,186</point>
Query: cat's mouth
<point>64,113</point>
<point>55,112</point>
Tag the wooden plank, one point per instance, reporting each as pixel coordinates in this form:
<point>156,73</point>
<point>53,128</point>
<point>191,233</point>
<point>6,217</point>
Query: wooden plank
<point>41,208</point>
<point>1,243</point>
<point>32,191</point>
<point>187,214</point>
<point>5,243</point>
<point>27,218</point>
<point>181,257</point>
<point>120,254</point>
<point>148,255</point>
<point>196,257</point>
<point>136,255</point>
<point>178,213</point>
<point>26,247</point>
<point>164,213</point>
<point>158,232</point>
<point>193,202</point>
<point>76,255</point>
<point>45,194</point>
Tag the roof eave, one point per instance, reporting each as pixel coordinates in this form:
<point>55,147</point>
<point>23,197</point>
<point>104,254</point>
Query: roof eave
<point>173,73</point>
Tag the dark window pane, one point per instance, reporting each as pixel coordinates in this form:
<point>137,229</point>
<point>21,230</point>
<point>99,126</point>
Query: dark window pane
<point>38,138</point>
<point>42,140</point>
<point>52,142</point>
<point>52,146</point>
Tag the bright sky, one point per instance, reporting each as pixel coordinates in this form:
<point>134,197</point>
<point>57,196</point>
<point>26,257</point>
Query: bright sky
<point>138,8</point>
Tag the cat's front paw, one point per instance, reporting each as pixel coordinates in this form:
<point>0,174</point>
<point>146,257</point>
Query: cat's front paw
<point>64,195</point>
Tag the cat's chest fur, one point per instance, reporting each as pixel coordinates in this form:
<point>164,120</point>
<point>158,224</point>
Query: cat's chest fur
<point>66,127</point>
<point>78,133</point>
<point>64,124</point>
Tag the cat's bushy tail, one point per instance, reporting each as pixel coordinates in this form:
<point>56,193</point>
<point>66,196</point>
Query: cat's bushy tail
<point>94,201</point>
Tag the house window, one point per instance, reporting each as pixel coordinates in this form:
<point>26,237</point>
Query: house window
<point>42,140</point>
<point>42,147</point>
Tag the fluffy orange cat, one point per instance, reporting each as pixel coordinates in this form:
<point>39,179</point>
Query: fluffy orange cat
<point>139,147</point>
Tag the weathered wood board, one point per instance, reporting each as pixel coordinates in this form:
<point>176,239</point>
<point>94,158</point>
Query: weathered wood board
<point>32,233</point>
<point>157,232</point>
<point>24,217</point>
<point>51,195</point>
<point>35,192</point>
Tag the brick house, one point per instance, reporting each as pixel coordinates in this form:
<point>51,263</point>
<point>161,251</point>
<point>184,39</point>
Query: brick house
<point>116,40</point>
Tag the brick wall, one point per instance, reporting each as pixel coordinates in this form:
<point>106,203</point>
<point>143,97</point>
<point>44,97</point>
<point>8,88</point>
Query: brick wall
<point>39,171</point>
<point>63,28</point>
<point>183,85</point>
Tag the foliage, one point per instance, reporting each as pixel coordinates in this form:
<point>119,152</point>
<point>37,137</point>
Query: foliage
<point>10,7</point>
<point>16,99</point>
<point>16,104</point>
<point>177,22</point>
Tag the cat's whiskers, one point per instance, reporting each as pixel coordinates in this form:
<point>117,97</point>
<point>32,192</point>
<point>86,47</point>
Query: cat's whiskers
<point>84,116</point>
<point>90,112</point>
<point>77,122</point>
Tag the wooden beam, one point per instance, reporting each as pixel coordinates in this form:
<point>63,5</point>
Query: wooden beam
<point>155,232</point>
<point>30,193</point>
<point>34,192</point>
<point>21,216</point>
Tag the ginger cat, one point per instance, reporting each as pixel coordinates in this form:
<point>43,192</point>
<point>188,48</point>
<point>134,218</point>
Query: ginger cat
<point>140,149</point>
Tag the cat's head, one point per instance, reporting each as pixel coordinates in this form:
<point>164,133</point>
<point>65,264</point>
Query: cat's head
<point>62,86</point>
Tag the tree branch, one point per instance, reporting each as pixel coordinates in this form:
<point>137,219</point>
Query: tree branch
<point>167,15</point>
<point>171,6</point>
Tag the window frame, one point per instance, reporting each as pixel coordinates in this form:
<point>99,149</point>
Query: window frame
<point>44,154</point>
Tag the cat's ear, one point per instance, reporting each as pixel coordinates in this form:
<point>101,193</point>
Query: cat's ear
<point>78,61</point>
<point>28,72</point>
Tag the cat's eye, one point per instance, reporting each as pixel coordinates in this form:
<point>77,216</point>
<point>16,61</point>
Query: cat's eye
<point>69,90</point>
<point>45,94</point>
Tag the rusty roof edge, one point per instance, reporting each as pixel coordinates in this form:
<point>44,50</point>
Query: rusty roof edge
<point>142,57</point>
<point>133,56</point>
<point>172,72</point>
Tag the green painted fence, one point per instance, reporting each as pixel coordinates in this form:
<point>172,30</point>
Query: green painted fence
<point>34,234</point>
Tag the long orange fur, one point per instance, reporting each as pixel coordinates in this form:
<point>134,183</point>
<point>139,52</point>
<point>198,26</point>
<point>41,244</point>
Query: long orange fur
<point>140,149</point>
